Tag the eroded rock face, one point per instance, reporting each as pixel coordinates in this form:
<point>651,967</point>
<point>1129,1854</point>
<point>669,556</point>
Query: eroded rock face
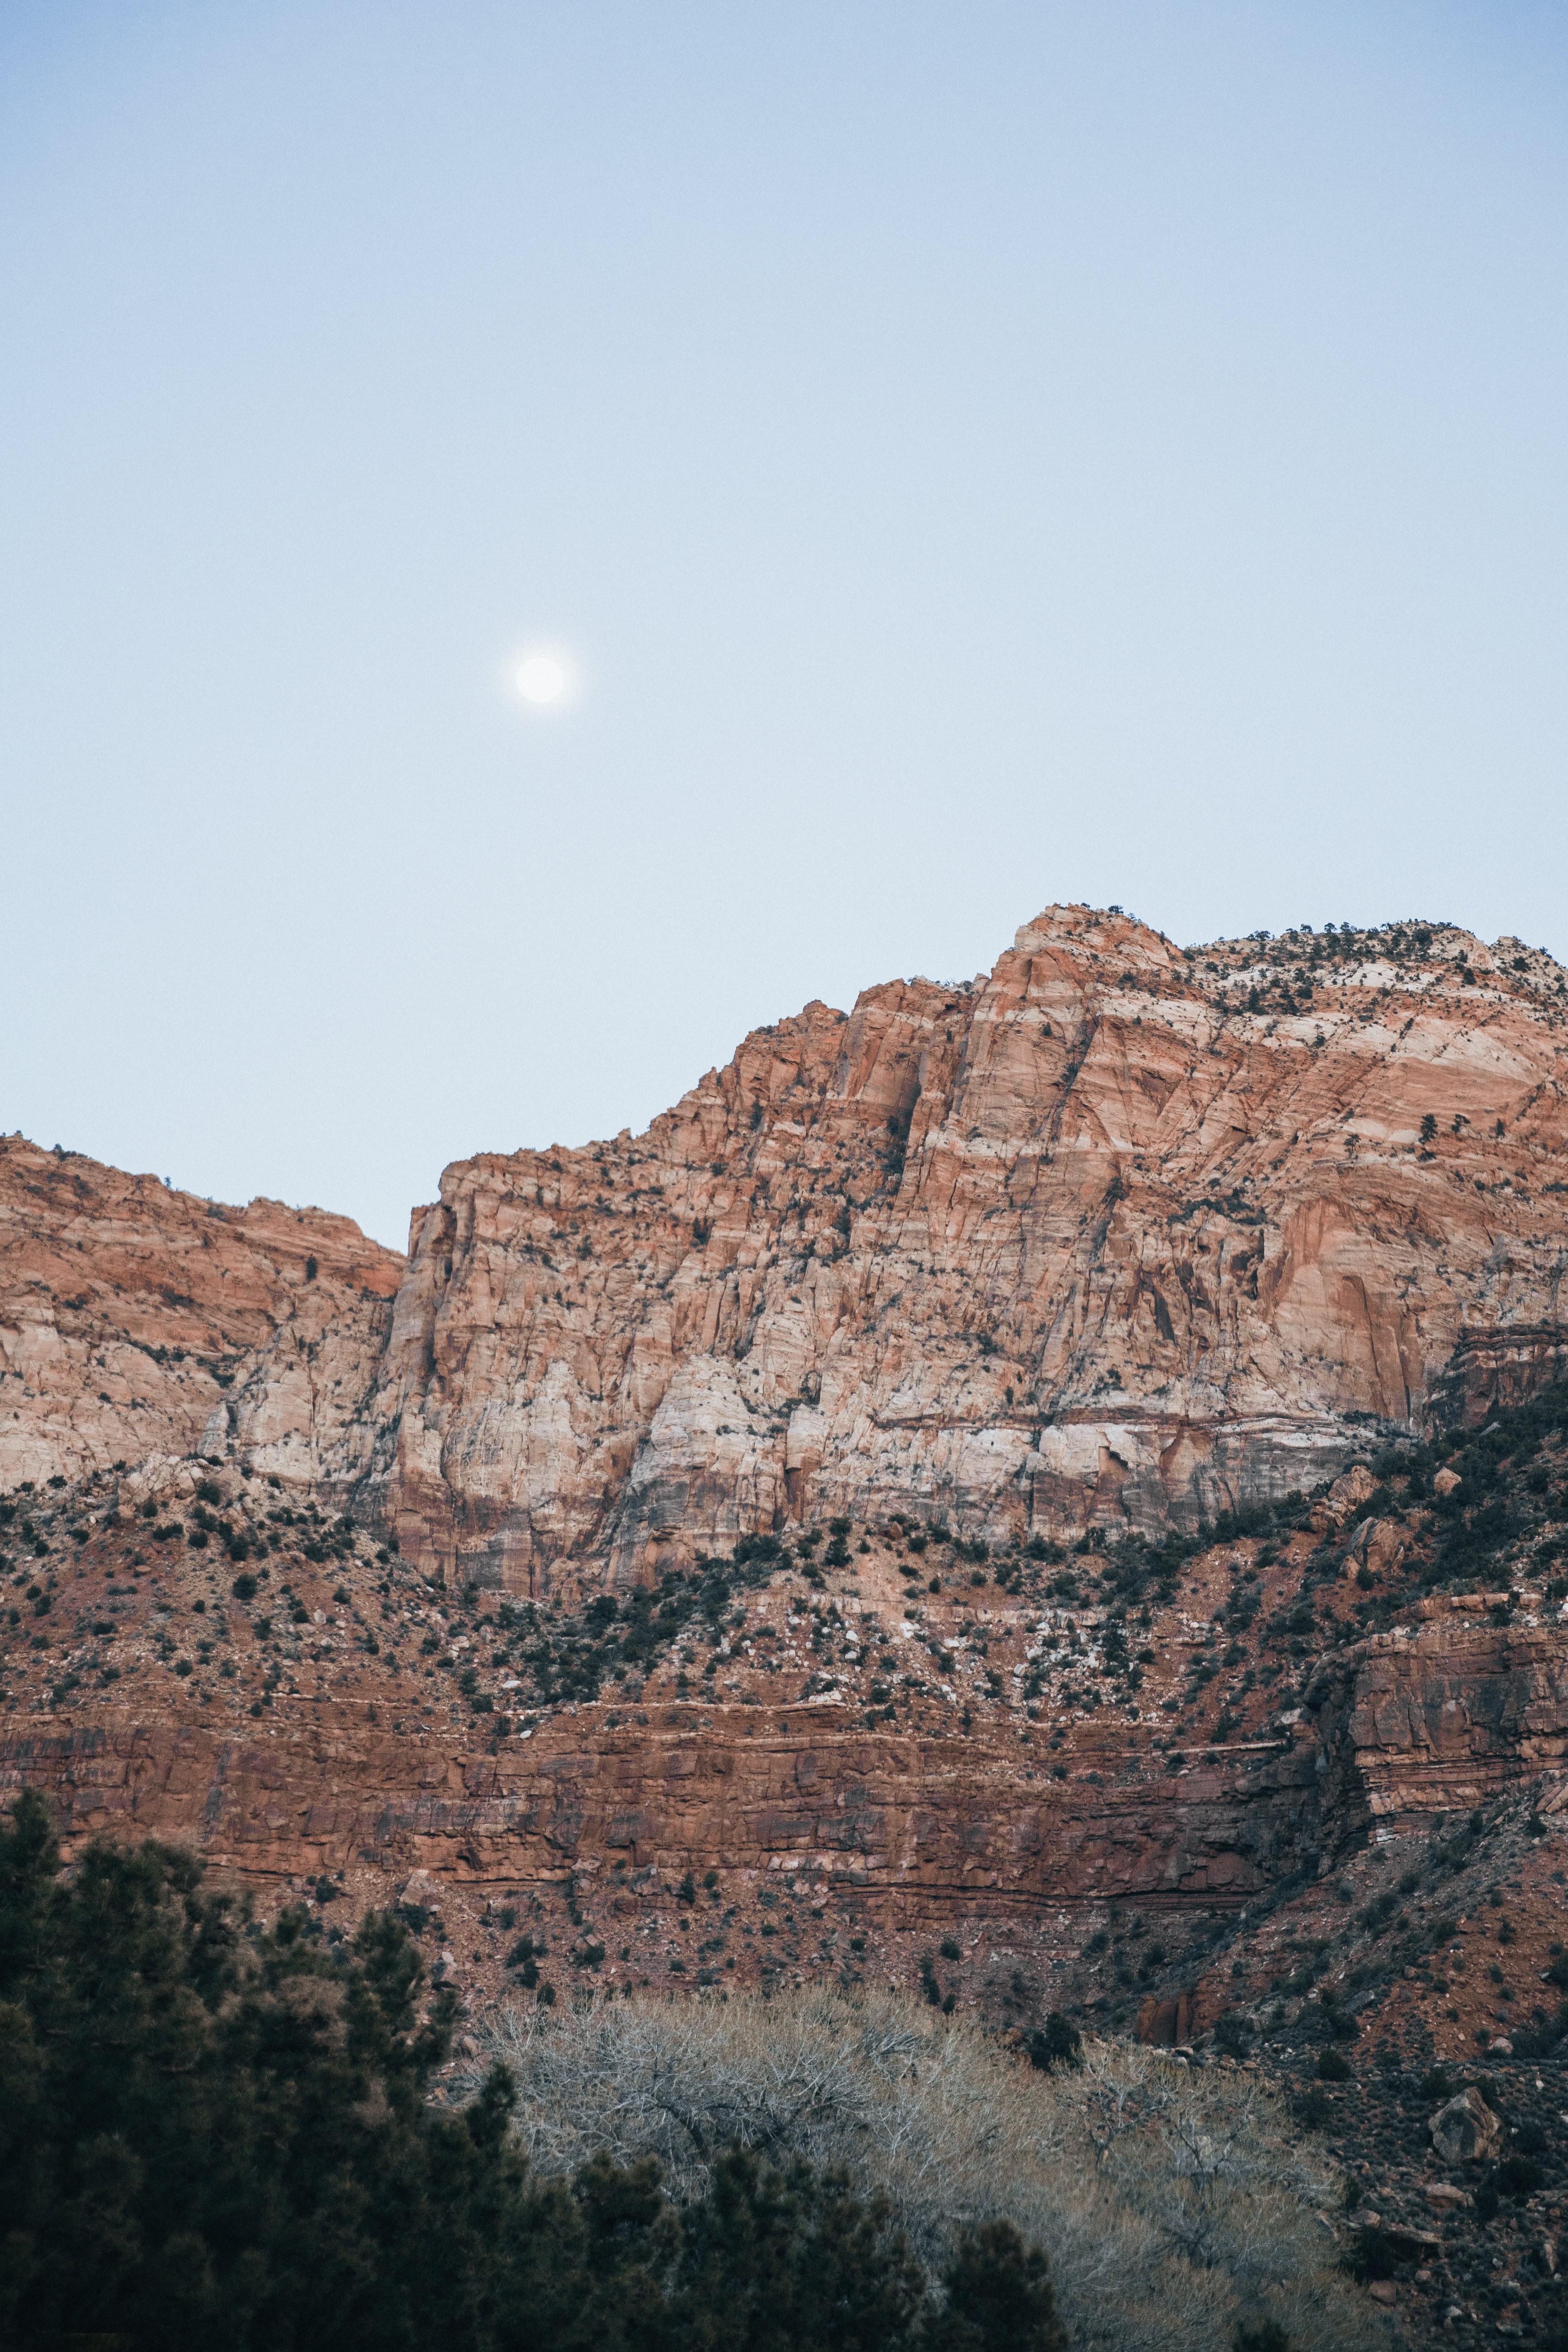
<point>1071,1792</point>
<point>1444,1719</point>
<point>902,1824</point>
<point>1115,1235</point>
<point>137,1322</point>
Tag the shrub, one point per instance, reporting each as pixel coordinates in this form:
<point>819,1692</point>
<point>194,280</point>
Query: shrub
<point>1057,2042</point>
<point>215,2135</point>
<point>1533,2042</point>
<point>1518,2177</point>
<point>1333,2066</point>
<point>1231,2038</point>
<point>1167,2203</point>
<point>1336,2022</point>
<point>1261,2336</point>
<point>1371,2255</point>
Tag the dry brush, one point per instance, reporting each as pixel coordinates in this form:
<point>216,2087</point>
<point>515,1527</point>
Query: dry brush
<point>1170,2203</point>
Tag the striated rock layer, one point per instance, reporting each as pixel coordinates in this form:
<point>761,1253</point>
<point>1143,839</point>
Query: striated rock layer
<point>864,1760</point>
<point>909,1830</point>
<point>138,1321</point>
<point>1117,1235</point>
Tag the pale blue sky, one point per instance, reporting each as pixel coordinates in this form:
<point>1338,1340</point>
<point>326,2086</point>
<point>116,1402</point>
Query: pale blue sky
<point>976,455</point>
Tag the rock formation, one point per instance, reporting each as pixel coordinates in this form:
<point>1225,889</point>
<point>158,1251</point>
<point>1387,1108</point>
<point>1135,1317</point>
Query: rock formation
<point>139,1321</point>
<point>1117,1235</point>
<point>379,1578</point>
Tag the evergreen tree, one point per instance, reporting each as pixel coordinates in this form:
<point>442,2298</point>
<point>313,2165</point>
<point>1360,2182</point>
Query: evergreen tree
<point>214,2133</point>
<point>999,2298</point>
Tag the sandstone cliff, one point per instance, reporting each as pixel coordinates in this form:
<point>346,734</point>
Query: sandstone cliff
<point>137,1321</point>
<point>1115,1235</point>
<point>1086,1251</point>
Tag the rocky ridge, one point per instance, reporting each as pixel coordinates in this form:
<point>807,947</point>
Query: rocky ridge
<point>1116,1234</point>
<point>1067,1514</point>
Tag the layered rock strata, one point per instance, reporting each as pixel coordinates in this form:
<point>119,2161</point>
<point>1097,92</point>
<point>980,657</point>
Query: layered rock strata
<point>911,1830</point>
<point>1032,1747</point>
<point>1115,1235</point>
<point>139,1322</point>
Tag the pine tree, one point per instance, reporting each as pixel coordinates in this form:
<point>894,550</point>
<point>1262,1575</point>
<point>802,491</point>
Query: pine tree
<point>214,2133</point>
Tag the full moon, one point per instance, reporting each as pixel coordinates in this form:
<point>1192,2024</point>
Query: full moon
<point>541,678</point>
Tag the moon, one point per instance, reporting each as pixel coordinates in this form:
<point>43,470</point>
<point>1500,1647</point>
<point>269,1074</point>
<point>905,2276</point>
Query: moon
<point>541,678</point>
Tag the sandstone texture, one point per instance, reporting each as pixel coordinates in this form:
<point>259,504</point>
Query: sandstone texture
<point>1118,1234</point>
<point>137,1322</point>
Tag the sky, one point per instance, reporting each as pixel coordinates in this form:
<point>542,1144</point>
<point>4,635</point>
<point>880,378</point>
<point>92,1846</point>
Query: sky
<point>967,457</point>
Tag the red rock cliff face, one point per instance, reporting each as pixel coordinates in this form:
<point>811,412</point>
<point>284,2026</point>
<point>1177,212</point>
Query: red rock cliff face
<point>1113,1235</point>
<point>137,1321</point>
<point>1116,1234</point>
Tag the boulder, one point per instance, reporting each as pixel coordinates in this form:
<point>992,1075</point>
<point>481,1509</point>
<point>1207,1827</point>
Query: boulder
<point>1344,1498</point>
<point>1465,2130</point>
<point>1413,2245</point>
<point>1376,1544</point>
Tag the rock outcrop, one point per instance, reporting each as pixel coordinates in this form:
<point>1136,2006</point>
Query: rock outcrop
<point>137,1321</point>
<point>1118,1234</point>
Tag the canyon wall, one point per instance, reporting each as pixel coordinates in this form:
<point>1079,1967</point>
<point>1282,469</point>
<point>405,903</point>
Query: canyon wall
<point>1116,1234</point>
<point>137,1321</point>
<point>910,1830</point>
